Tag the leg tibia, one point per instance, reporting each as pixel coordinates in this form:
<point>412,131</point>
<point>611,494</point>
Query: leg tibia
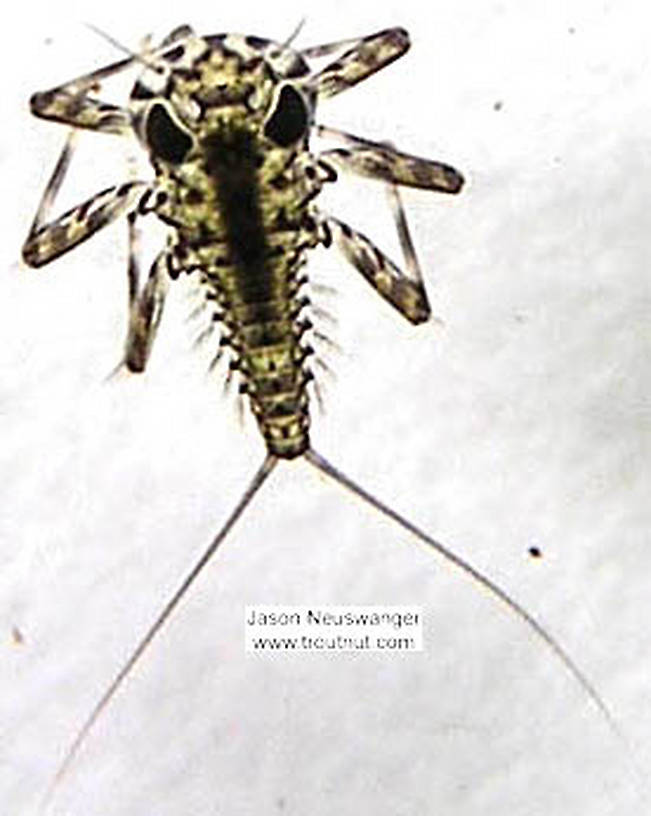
<point>364,58</point>
<point>405,295</point>
<point>47,242</point>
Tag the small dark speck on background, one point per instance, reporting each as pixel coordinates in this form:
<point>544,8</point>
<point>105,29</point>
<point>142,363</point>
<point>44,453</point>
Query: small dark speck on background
<point>497,106</point>
<point>535,552</point>
<point>571,30</point>
<point>17,636</point>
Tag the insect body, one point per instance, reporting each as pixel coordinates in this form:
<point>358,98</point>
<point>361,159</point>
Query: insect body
<point>226,121</point>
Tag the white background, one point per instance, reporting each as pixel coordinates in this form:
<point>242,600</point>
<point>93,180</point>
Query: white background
<point>522,419</point>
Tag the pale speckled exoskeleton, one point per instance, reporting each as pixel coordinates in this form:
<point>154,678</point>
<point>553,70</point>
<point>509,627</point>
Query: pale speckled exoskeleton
<point>226,121</point>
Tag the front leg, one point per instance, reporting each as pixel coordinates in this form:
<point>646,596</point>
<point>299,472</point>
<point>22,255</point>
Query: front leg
<point>366,56</point>
<point>70,103</point>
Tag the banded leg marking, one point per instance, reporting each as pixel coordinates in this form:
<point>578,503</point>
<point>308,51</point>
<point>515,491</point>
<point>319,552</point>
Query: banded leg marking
<point>47,242</point>
<point>70,104</point>
<point>145,305</point>
<point>366,56</point>
<point>406,295</point>
<point>383,162</point>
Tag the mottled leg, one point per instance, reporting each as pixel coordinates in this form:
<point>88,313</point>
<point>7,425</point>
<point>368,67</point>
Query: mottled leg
<point>70,103</point>
<point>46,242</point>
<point>385,163</point>
<point>363,58</point>
<point>145,303</point>
<point>404,294</point>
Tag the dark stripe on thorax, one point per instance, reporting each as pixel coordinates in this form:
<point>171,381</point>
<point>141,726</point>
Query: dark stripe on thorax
<point>232,161</point>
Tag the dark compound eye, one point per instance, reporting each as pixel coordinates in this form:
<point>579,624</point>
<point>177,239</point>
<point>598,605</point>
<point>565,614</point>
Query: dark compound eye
<point>165,138</point>
<point>289,120</point>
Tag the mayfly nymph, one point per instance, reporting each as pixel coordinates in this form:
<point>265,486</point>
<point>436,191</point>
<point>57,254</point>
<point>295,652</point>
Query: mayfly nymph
<point>226,122</point>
